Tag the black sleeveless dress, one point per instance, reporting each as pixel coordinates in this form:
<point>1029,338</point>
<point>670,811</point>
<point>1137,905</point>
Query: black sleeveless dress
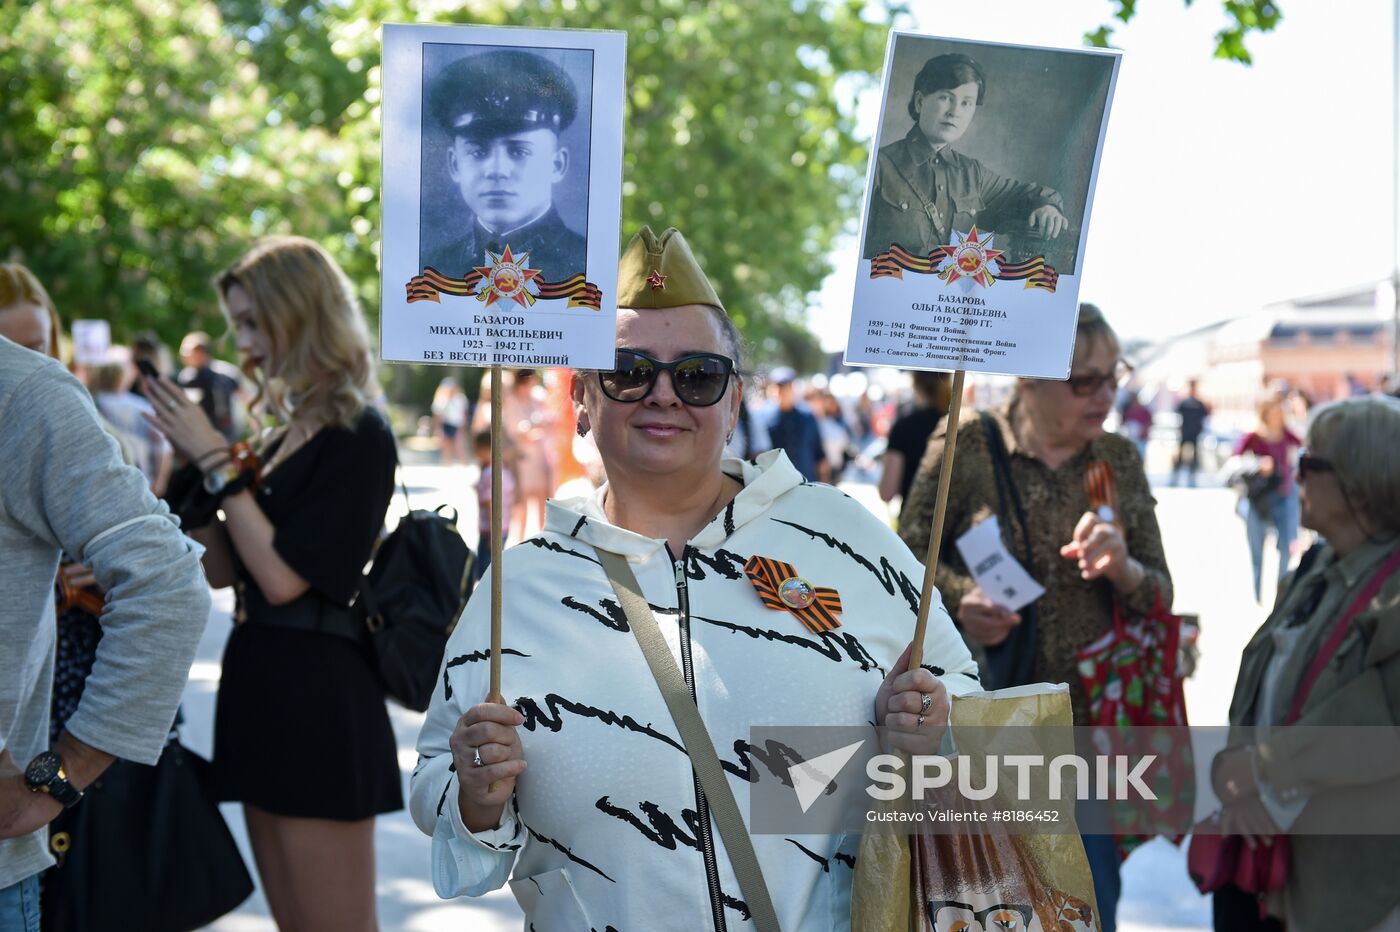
<point>300,728</point>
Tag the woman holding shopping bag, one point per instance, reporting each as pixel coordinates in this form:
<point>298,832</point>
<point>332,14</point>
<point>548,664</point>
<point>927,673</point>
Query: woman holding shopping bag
<point>775,602</point>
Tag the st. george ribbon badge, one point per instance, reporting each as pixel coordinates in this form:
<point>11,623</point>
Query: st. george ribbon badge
<point>504,277</point>
<point>780,588</point>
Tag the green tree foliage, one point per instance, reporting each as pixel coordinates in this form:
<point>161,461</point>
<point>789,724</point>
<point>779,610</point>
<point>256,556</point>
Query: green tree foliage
<point>139,153</point>
<point>144,143</point>
<point>734,129</point>
<point>1244,17</point>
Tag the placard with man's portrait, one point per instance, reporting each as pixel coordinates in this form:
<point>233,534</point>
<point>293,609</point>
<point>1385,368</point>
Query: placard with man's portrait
<point>502,197</point>
<point>977,205</point>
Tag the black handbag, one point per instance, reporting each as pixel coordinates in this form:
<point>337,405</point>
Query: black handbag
<point>147,848</point>
<point>1258,487</point>
<point>410,600</point>
<point>1012,662</point>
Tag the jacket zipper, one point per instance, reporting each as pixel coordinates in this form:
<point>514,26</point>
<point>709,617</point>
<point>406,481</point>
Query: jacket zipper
<point>702,807</point>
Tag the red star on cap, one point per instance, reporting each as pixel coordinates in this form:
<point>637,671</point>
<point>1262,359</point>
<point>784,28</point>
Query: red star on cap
<point>657,281</point>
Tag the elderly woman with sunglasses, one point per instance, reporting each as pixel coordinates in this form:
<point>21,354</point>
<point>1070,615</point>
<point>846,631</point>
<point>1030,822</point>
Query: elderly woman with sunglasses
<point>1328,655</point>
<point>1026,464</point>
<point>781,602</point>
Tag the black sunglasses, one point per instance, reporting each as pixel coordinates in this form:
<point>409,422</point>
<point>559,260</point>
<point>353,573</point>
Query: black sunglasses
<point>698,379</point>
<point>1308,463</point>
<point>1086,385</point>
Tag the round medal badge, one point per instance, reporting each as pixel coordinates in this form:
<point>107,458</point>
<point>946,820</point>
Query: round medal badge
<point>796,592</point>
<point>507,280</point>
<point>971,259</point>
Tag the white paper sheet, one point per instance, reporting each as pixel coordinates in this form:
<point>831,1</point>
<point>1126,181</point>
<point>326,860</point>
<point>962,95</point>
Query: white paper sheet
<point>551,302</point>
<point>955,268</point>
<point>999,574</point>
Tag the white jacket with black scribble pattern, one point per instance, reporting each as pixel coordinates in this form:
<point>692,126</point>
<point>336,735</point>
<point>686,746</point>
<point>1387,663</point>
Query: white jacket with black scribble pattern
<point>603,831</point>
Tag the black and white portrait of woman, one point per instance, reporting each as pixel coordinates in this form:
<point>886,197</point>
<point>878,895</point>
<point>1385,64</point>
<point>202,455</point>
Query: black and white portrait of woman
<point>997,137</point>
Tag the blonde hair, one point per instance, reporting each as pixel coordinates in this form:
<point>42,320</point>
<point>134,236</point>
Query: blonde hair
<point>19,286</point>
<point>1093,330</point>
<point>113,373</point>
<point>1266,404</point>
<point>1090,332</point>
<point>304,303</point>
<point>1359,436</point>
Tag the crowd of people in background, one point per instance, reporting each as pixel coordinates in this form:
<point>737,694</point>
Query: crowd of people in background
<point>835,427</point>
<point>205,435</point>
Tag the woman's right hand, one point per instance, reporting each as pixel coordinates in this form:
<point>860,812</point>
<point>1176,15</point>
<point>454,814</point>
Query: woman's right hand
<point>487,729</point>
<point>1266,465</point>
<point>986,622</point>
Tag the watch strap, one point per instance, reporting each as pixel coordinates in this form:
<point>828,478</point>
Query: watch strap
<point>60,789</point>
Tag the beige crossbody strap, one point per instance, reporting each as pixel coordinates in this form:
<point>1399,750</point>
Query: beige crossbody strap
<point>696,738</point>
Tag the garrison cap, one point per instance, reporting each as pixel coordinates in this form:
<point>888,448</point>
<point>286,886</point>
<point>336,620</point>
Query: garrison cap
<point>660,272</point>
<point>501,92</point>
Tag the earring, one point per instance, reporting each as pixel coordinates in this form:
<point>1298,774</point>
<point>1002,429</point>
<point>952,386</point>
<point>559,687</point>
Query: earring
<point>583,428</point>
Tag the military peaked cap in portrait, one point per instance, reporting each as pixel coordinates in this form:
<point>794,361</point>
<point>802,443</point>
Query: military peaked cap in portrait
<point>502,92</point>
<point>660,272</point>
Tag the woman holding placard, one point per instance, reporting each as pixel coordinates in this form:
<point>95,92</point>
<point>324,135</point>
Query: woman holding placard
<point>1026,464</point>
<point>611,824</point>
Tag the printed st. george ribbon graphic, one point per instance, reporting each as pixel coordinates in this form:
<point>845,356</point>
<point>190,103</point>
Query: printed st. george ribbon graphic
<point>780,588</point>
<point>504,277</point>
<point>971,257</point>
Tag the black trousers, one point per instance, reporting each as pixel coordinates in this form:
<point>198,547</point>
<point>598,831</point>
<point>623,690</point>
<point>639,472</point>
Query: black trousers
<point>1188,455</point>
<point>1237,911</point>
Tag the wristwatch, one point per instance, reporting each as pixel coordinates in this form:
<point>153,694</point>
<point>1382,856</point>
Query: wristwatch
<point>215,481</point>
<point>45,775</point>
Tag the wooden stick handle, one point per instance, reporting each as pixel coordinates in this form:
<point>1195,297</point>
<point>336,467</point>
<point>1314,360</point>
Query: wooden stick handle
<point>940,508</point>
<point>497,467</point>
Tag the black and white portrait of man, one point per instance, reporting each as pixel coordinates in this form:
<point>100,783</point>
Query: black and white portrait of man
<point>505,158</point>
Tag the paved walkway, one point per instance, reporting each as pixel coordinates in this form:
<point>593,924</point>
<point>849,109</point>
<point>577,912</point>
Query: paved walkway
<point>1206,549</point>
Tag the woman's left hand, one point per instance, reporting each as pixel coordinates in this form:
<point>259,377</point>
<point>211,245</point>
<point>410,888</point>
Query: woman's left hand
<point>1101,551</point>
<point>913,706</point>
<point>183,422</point>
<point>1250,820</point>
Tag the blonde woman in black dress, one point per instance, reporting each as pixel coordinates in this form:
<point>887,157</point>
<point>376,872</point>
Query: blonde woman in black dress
<point>301,735</point>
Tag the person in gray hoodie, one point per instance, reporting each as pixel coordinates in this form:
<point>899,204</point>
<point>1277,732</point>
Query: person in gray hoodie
<point>64,488</point>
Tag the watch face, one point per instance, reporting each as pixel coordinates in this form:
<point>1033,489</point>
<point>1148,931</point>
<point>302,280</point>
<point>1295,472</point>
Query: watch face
<point>214,483</point>
<point>42,769</point>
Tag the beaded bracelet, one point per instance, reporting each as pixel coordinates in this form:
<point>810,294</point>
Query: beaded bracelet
<point>246,459</point>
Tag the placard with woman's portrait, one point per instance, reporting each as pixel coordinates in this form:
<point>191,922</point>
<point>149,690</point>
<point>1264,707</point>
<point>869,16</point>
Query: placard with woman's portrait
<point>977,205</point>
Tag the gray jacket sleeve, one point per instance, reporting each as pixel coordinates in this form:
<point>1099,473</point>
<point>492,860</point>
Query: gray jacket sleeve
<point>62,479</point>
